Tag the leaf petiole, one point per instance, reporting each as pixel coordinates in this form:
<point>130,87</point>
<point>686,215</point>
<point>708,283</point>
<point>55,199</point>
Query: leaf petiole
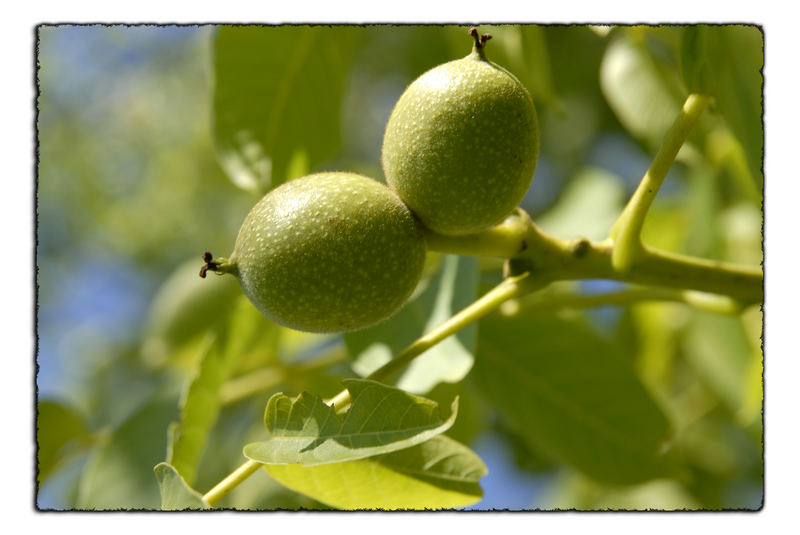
<point>562,299</point>
<point>627,230</point>
<point>510,287</point>
<point>552,259</point>
<point>230,482</point>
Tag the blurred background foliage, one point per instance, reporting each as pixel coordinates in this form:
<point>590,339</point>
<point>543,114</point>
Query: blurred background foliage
<point>154,142</point>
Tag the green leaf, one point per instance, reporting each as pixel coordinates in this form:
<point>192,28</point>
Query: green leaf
<point>251,340</point>
<point>450,360</point>
<point>588,207</point>
<point>438,474</point>
<point>176,495</point>
<point>538,76</point>
<point>184,308</point>
<point>570,394</point>
<point>201,403</point>
<point>726,62</point>
<point>59,428</point>
<point>199,409</point>
<point>644,96</point>
<point>723,356</point>
<point>696,68</point>
<point>381,419</point>
<point>473,415</point>
<point>277,96</point>
<point>119,474</point>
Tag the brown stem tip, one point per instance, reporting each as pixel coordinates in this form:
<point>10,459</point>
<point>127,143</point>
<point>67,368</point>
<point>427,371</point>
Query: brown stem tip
<point>480,40</point>
<point>208,258</point>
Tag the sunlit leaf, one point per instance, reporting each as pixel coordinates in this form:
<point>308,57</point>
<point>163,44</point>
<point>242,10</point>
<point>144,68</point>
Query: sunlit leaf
<point>277,91</point>
<point>438,474</point>
<point>569,393</point>
<point>176,495</point>
<point>57,428</point>
<point>449,361</point>
<point>381,419</point>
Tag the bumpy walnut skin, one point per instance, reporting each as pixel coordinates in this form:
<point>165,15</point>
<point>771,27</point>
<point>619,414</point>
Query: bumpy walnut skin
<point>461,145</point>
<point>329,252</point>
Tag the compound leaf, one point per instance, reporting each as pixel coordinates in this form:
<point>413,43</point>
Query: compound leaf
<point>176,495</point>
<point>277,97</point>
<point>381,419</point>
<point>438,474</point>
<point>568,392</point>
<point>449,361</point>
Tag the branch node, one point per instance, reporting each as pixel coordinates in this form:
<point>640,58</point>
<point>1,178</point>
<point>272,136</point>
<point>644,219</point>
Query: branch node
<point>580,247</point>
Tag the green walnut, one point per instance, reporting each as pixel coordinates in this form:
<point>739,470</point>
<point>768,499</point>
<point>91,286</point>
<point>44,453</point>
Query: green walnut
<point>328,252</point>
<point>461,144</point>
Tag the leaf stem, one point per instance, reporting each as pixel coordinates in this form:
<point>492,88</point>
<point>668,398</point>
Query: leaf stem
<point>230,482</point>
<point>567,299</point>
<point>501,241</point>
<point>552,259</point>
<point>627,230</point>
<point>659,268</point>
<point>244,386</point>
<point>507,289</point>
<point>510,287</point>
<point>263,379</point>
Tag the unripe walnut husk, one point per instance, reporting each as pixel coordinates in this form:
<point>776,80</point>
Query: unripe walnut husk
<point>461,144</point>
<point>328,252</point>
